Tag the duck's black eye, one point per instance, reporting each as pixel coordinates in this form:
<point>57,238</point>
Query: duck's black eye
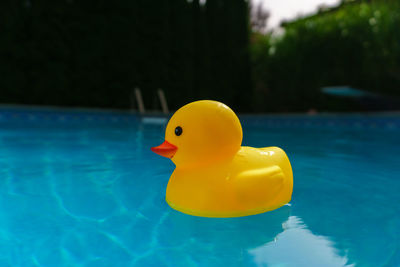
<point>178,131</point>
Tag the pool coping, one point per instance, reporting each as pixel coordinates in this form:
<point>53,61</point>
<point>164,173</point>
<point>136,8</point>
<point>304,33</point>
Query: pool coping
<point>45,108</point>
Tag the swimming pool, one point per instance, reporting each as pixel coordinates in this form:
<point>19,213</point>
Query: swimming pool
<point>82,188</point>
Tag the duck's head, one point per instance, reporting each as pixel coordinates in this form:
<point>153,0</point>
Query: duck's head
<point>201,133</point>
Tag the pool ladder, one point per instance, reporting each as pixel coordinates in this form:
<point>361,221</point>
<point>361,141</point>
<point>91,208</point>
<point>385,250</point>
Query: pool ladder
<point>137,94</point>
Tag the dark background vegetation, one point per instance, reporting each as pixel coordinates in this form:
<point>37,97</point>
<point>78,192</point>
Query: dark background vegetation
<point>93,53</point>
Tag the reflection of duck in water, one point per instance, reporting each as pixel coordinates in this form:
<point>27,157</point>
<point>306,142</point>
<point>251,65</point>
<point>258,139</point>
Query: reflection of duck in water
<point>298,246</point>
<point>214,175</point>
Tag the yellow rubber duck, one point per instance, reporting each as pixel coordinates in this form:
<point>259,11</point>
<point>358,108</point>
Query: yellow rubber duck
<point>215,176</point>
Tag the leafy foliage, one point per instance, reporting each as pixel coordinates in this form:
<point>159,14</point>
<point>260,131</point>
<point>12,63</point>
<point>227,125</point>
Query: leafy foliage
<point>356,44</point>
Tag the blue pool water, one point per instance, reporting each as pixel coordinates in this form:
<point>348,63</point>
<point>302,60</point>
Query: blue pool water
<point>84,189</point>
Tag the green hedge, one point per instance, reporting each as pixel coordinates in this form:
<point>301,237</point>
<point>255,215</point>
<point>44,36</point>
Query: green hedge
<point>356,44</point>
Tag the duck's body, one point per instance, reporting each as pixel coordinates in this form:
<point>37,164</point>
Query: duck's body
<point>255,180</point>
<point>215,176</point>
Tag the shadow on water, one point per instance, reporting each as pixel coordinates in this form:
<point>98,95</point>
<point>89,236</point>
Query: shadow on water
<point>221,238</point>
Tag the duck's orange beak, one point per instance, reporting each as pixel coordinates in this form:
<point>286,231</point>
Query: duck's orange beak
<point>165,149</point>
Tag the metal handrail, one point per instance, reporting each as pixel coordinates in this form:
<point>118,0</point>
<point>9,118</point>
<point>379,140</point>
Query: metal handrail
<point>163,101</point>
<point>139,100</point>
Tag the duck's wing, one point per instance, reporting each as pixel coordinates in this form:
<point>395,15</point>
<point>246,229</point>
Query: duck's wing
<point>256,184</point>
